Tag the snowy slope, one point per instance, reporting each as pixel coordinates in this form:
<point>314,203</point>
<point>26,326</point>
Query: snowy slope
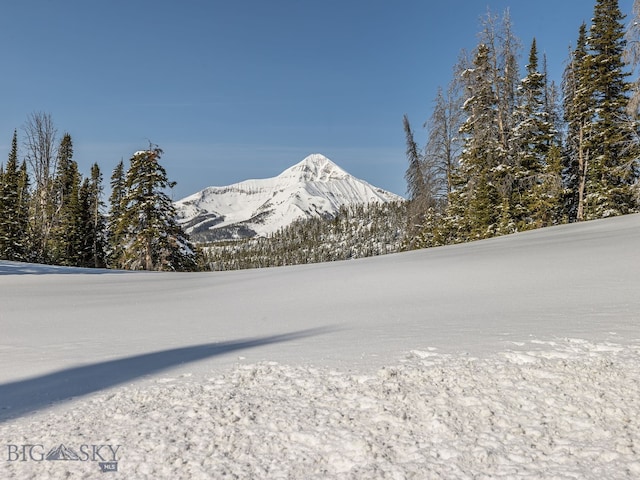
<point>314,187</point>
<point>515,357</point>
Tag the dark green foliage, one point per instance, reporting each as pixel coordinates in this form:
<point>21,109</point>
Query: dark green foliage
<point>149,238</point>
<point>114,237</point>
<point>93,233</point>
<point>14,214</point>
<point>535,184</point>
<point>613,168</point>
<point>475,197</point>
<point>577,108</point>
<point>600,167</point>
<point>65,242</point>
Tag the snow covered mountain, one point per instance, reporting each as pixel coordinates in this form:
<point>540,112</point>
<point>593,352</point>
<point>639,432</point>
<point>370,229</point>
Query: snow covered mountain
<point>314,187</point>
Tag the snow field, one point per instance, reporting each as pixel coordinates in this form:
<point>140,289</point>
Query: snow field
<point>457,362</point>
<point>565,409</point>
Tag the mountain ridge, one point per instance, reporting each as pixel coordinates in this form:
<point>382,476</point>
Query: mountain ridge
<point>314,187</point>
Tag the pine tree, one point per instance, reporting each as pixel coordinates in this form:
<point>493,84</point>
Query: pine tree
<point>13,208</point>
<point>150,236</point>
<point>531,142</point>
<point>65,243</point>
<point>613,169</point>
<point>24,202</point>
<point>578,110</point>
<point>93,227</point>
<point>116,199</point>
<point>422,188</point>
<point>474,203</point>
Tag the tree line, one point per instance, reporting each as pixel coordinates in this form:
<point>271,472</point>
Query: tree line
<point>50,213</point>
<point>506,153</point>
<point>356,231</point>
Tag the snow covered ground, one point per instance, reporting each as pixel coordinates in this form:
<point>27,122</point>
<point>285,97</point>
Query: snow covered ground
<point>515,357</point>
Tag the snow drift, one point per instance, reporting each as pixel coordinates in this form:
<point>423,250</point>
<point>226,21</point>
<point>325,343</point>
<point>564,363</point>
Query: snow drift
<point>515,357</point>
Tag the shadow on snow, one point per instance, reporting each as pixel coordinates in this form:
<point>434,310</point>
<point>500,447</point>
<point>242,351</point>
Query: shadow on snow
<point>23,397</point>
<point>19,268</point>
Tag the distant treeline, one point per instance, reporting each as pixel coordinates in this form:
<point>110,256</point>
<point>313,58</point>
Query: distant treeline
<point>355,232</point>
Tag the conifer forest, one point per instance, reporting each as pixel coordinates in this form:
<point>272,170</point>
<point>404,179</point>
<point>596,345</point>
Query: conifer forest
<point>506,149</point>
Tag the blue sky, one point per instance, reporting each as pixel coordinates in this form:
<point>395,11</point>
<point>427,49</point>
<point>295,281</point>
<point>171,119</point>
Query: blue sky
<point>242,89</point>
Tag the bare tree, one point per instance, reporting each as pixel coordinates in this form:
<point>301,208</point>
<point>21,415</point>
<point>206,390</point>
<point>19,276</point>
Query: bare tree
<point>40,145</point>
<point>632,56</point>
<point>498,35</point>
<point>422,187</point>
<point>444,143</point>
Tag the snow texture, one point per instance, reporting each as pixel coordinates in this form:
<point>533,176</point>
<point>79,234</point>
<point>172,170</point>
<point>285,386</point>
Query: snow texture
<point>314,187</point>
<point>515,357</point>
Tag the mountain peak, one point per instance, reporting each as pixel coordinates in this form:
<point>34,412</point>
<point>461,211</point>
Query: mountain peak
<point>314,187</point>
<point>314,168</point>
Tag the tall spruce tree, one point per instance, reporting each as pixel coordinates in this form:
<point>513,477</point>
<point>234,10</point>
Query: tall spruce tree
<point>14,215</point>
<point>550,208</point>
<point>613,161</point>
<point>65,243</point>
<point>578,111</point>
<point>150,237</point>
<point>418,188</point>
<point>475,202</point>
<point>93,224</point>
<point>532,140</point>
<point>116,199</point>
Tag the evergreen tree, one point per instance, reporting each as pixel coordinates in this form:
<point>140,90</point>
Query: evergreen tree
<point>475,203</point>
<point>24,202</point>
<point>13,208</point>
<point>65,244</point>
<point>420,187</point>
<point>550,210</point>
<point>150,236</point>
<point>578,110</point>
<point>93,228</point>
<point>116,199</point>
<point>614,153</point>
<point>532,140</point>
